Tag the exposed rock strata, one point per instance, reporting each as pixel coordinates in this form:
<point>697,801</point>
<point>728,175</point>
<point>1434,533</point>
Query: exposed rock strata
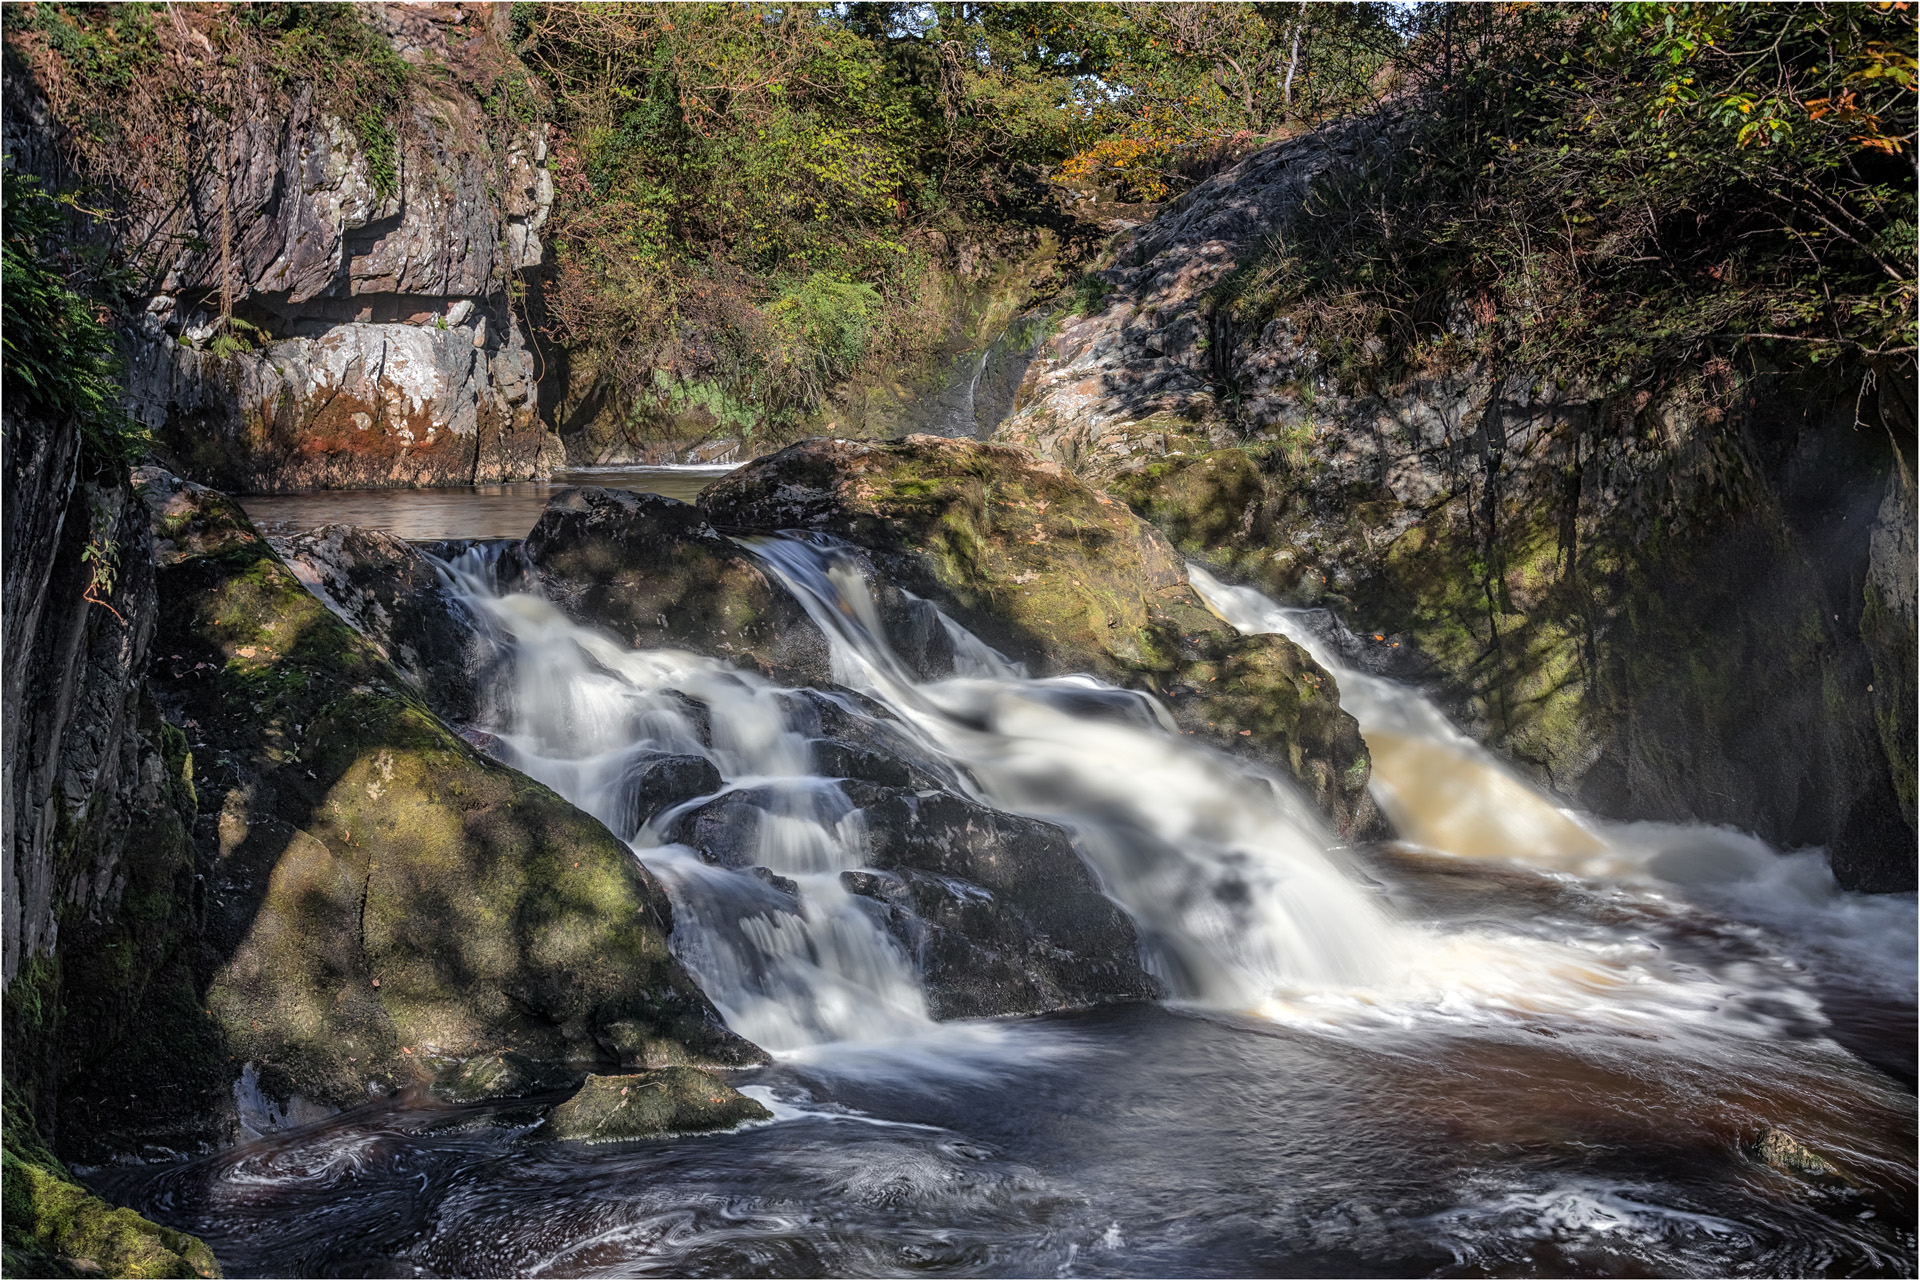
<point>381,344</point>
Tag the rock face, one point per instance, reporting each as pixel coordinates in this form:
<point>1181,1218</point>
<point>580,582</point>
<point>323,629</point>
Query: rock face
<point>378,343</point>
<point>675,1100</point>
<point>364,900</point>
<point>1063,578</point>
<point>652,571</point>
<point>1682,609</point>
<point>100,901</point>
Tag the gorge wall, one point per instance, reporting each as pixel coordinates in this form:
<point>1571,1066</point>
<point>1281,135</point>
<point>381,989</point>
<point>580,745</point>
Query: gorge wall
<point>1698,607</point>
<point>377,336</point>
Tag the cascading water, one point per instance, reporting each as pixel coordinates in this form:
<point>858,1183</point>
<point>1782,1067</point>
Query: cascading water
<point>1226,871</point>
<point>1439,788</point>
<point>1510,1058</point>
<point>787,970</point>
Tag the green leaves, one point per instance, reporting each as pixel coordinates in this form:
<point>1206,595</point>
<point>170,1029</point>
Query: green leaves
<point>60,359</point>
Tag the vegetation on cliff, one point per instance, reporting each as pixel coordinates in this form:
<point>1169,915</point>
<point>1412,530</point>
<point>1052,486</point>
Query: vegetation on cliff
<point>1619,194</point>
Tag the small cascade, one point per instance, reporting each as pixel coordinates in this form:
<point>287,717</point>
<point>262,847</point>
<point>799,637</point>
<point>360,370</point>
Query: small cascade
<point>1226,872</point>
<point>1439,788</point>
<point>789,965</point>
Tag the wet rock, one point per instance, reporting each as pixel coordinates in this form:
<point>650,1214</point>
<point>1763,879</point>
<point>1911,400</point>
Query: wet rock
<point>835,759</point>
<point>1061,578</point>
<point>397,598</point>
<point>726,830</point>
<point>653,782</point>
<point>773,880</point>
<point>505,1075</point>
<point>672,1100</point>
<point>381,900</point>
<point>1003,915</point>
<point>653,572</point>
<point>1782,1151</point>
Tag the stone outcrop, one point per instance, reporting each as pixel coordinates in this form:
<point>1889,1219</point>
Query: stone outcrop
<point>650,1105</point>
<point>1063,578</point>
<point>653,572</point>
<point>376,338</point>
<point>1676,609</point>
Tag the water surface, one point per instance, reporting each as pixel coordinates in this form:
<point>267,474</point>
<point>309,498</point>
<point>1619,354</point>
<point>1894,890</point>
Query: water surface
<point>462,511</point>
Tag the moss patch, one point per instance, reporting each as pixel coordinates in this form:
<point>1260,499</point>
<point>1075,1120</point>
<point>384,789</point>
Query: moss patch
<point>675,1100</point>
<point>53,1227</point>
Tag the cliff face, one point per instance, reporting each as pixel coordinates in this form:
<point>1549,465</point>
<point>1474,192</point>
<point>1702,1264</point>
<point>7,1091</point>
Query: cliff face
<point>1691,608</point>
<point>381,343</point>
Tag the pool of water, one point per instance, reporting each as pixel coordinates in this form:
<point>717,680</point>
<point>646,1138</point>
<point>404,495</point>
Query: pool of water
<point>1134,1141</point>
<point>467,511</point>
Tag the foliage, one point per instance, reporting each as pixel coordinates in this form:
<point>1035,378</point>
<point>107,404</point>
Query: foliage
<point>61,362</point>
<point>143,93</point>
<point>1619,194</point>
<point>1186,88</point>
<point>758,198</point>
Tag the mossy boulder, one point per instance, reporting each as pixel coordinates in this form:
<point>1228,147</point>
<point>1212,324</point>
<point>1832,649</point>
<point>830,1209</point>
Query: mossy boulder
<point>1062,578</point>
<point>381,901</point>
<point>652,571</point>
<point>649,1105</point>
<point>51,1226</point>
<point>394,595</point>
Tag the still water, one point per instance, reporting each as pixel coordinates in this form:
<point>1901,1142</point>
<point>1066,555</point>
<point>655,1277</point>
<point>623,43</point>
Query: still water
<point>1518,1041</point>
<point>468,511</point>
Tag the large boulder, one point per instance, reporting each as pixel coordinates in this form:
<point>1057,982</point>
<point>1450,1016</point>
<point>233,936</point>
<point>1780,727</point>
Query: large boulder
<point>1061,578</point>
<point>652,571</point>
<point>381,902</point>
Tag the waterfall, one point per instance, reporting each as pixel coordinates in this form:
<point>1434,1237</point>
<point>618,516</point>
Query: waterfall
<point>1438,787</point>
<point>1227,872</point>
<point>1239,896</point>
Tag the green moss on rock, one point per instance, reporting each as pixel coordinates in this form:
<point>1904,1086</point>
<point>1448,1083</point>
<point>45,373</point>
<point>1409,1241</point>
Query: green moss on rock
<point>53,1227</point>
<point>674,1100</point>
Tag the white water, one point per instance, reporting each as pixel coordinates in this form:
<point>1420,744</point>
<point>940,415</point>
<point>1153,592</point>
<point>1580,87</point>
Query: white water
<point>1241,899</point>
<point>1444,791</point>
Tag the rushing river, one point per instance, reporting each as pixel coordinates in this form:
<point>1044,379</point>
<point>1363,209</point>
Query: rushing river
<point>1518,1041</point>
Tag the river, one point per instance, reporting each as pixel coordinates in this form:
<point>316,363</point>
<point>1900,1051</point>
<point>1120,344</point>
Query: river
<point>1519,1040</point>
